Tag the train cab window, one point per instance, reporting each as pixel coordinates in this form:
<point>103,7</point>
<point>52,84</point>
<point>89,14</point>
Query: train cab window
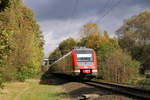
<point>84,57</point>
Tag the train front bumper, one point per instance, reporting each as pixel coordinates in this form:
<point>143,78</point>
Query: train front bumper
<point>80,72</point>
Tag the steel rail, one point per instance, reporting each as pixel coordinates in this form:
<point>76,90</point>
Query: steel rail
<point>128,90</point>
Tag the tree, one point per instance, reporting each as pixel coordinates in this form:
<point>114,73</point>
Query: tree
<point>91,41</point>
<point>54,56</point>
<point>67,45</point>
<point>26,57</point>
<point>137,28</point>
<point>89,29</point>
<point>134,36</point>
<point>4,4</point>
<point>106,36</point>
<point>6,40</point>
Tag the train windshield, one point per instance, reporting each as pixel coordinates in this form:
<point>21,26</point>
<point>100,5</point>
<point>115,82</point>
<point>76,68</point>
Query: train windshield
<point>84,56</point>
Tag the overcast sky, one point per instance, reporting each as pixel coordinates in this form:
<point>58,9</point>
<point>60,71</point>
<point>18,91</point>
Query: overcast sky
<point>60,19</point>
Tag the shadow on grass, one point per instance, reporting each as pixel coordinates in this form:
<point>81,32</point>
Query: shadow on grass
<point>54,79</point>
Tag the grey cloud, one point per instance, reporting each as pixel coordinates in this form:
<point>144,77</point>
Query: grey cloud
<point>62,9</point>
<point>58,22</point>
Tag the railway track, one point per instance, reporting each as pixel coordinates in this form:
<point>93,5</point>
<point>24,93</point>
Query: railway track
<point>130,91</point>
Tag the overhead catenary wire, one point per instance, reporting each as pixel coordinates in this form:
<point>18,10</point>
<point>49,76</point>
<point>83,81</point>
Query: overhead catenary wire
<point>108,2</point>
<point>137,11</point>
<point>110,8</point>
<point>68,22</point>
<point>74,10</point>
<point>107,7</point>
<point>108,11</point>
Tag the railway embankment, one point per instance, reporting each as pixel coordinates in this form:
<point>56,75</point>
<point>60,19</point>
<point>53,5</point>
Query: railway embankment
<point>80,90</point>
<point>58,88</point>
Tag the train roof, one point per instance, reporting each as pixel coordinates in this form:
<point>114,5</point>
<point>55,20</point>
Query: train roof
<point>83,48</point>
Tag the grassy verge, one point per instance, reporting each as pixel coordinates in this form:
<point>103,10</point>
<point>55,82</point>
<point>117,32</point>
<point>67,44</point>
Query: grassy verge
<point>32,90</point>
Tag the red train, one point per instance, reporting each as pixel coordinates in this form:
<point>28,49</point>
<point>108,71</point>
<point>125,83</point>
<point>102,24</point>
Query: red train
<point>79,62</point>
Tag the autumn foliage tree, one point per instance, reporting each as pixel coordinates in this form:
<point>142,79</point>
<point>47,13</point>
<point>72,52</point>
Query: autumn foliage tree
<point>64,47</point>
<point>4,4</point>
<point>67,45</point>
<point>134,37</point>
<point>119,67</point>
<point>22,41</point>
<point>54,56</point>
<point>88,28</point>
<point>6,40</point>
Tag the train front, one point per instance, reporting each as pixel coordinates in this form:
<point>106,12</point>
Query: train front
<point>85,63</point>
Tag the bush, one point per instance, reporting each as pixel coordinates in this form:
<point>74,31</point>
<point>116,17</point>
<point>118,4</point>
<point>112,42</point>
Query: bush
<point>21,77</point>
<point>102,53</point>
<point>23,73</point>
<point>119,67</point>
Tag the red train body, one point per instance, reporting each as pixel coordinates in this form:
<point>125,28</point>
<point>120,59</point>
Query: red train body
<point>80,62</point>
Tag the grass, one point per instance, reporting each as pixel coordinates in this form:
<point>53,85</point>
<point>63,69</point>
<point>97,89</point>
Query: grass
<point>32,90</point>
